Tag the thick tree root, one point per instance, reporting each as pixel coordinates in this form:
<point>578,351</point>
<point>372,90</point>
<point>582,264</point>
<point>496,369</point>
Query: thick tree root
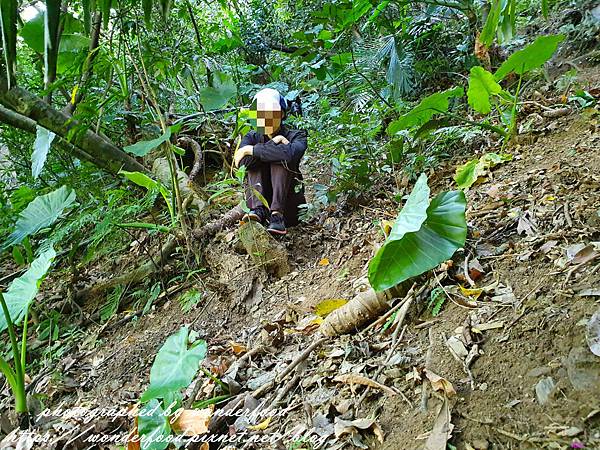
<point>135,276</point>
<point>143,271</point>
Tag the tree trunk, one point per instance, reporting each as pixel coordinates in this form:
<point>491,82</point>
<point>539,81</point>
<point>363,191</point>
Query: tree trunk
<point>34,108</point>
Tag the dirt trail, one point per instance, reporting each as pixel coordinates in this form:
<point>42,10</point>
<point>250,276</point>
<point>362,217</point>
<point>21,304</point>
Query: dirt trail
<point>524,222</point>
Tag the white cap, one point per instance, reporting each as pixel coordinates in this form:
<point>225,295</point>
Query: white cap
<point>268,99</point>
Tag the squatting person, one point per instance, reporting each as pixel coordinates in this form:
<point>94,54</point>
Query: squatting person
<point>271,153</point>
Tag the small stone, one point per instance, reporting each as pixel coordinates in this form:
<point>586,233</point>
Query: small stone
<point>543,390</point>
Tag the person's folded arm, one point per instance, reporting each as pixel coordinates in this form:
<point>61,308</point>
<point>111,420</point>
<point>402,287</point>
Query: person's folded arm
<point>292,152</point>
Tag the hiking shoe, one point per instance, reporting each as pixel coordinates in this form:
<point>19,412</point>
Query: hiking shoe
<point>276,224</point>
<point>258,214</point>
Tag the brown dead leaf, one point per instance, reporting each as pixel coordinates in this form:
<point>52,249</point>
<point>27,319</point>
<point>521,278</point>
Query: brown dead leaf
<point>237,349</point>
<point>439,383</point>
<point>192,422</point>
<point>133,440</point>
<point>586,254</point>
<point>352,378</point>
<point>442,429</point>
<point>378,432</point>
<point>482,53</point>
<point>344,427</point>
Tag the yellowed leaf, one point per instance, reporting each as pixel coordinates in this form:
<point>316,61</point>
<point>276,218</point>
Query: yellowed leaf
<point>386,226</point>
<point>439,383</point>
<point>237,348</point>
<point>329,305</point>
<point>474,293</point>
<point>324,262</point>
<point>192,422</point>
<point>352,378</point>
<point>261,426</point>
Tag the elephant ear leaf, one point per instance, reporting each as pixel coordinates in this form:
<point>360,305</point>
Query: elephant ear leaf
<point>42,212</point>
<point>413,249</point>
<point>23,290</point>
<point>41,147</point>
<point>175,365</point>
<point>482,86</point>
<point>531,57</point>
<point>153,426</point>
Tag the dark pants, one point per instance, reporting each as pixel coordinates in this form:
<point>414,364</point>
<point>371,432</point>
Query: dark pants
<point>274,181</point>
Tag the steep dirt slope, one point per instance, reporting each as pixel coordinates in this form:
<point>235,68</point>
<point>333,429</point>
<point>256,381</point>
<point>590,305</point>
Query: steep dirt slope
<point>532,381</point>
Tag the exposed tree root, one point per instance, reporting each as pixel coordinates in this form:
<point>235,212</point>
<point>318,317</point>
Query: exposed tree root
<point>155,263</point>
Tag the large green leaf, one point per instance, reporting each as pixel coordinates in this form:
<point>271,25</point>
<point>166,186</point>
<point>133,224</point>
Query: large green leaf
<point>482,85</point>
<point>217,96</point>
<point>41,147</point>
<point>175,365</point>
<point>105,6</point>
<point>147,7</point>
<point>408,252</point>
<point>145,181</point>
<point>468,173</point>
<point>414,213</point>
<point>153,427</point>
<point>72,42</point>
<point>142,148</point>
<point>42,212</point>
<point>531,57</point>
<point>429,106</point>
<point>72,47</point>
<point>23,290</point>
<point>491,24</point>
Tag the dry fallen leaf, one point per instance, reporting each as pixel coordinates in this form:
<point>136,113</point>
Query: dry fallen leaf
<point>192,422</point>
<point>343,427</point>
<point>474,293</point>
<point>439,383</point>
<point>237,348</point>
<point>133,440</point>
<point>261,426</point>
<point>442,429</point>
<point>329,305</point>
<point>352,378</point>
<point>586,254</point>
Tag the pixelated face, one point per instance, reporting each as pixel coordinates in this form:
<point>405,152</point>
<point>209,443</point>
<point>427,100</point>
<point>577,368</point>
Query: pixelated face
<point>266,116</point>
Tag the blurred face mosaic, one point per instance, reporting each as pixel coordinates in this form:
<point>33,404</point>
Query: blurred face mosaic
<point>265,114</point>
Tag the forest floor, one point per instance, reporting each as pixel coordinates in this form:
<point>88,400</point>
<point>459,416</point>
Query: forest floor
<point>513,349</point>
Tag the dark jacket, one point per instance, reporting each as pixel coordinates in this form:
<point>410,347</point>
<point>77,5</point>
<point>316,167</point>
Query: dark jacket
<point>266,151</point>
<point>289,155</point>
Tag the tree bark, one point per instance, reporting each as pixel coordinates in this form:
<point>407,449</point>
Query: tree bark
<point>34,108</point>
